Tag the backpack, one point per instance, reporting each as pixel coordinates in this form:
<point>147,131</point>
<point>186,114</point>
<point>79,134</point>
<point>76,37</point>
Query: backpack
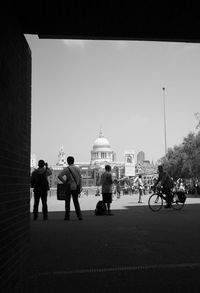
<point>100,208</point>
<point>40,181</point>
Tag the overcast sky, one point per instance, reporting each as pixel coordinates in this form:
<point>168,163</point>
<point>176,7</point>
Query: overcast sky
<point>80,86</point>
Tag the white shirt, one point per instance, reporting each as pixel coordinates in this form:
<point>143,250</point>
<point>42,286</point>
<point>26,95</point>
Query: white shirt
<point>69,178</point>
<point>140,183</point>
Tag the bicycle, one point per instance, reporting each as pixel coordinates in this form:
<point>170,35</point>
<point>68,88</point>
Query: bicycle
<point>156,200</point>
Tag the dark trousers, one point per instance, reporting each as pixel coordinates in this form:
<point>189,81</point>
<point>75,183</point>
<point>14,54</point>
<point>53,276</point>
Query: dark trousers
<point>167,192</point>
<point>74,195</point>
<point>43,196</point>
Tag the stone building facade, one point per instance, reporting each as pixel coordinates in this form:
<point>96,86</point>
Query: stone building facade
<point>101,155</point>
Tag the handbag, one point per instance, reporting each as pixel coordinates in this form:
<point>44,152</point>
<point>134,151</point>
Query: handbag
<point>62,191</point>
<point>181,196</point>
<point>78,186</point>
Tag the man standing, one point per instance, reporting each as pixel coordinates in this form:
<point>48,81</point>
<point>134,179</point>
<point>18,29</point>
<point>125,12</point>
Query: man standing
<point>166,183</point>
<point>72,176</point>
<point>40,185</point>
<point>139,181</point>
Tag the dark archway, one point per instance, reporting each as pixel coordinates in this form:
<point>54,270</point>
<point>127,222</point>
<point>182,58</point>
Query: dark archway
<point>58,19</point>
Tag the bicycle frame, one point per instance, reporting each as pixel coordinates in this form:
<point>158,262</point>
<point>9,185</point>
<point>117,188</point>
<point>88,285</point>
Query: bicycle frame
<point>155,201</point>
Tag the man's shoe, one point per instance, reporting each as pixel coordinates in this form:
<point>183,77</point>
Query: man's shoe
<point>66,218</point>
<point>80,218</point>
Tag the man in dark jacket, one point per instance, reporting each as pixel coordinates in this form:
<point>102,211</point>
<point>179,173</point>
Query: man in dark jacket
<point>40,185</point>
<point>166,183</point>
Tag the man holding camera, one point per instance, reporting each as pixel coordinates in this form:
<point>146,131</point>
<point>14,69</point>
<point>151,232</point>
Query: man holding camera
<point>40,185</point>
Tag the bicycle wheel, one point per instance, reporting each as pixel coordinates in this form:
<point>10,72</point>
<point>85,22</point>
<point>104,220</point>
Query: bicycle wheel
<point>176,204</point>
<point>155,202</point>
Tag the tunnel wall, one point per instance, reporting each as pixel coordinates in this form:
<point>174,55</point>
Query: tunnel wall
<point>15,133</point>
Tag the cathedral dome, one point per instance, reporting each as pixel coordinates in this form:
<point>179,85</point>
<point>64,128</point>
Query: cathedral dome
<point>101,153</point>
<point>101,144</point>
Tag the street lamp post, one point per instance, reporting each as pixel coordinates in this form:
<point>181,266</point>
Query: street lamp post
<point>164,120</point>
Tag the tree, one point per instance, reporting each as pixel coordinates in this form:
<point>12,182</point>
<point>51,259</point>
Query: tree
<point>184,160</point>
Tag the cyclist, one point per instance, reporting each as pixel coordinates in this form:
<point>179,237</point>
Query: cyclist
<point>166,183</point>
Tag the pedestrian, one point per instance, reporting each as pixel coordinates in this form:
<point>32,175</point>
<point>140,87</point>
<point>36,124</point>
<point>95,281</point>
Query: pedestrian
<point>97,192</point>
<point>107,185</point>
<point>166,183</point>
<point>140,184</point>
<point>118,189</point>
<point>71,176</point>
<point>181,186</point>
<point>40,185</point>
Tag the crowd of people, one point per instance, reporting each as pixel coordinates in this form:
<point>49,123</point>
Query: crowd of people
<point>107,187</point>
<point>72,181</point>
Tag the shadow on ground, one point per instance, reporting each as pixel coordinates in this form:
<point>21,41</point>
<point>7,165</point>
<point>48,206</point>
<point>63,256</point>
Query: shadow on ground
<point>134,250</point>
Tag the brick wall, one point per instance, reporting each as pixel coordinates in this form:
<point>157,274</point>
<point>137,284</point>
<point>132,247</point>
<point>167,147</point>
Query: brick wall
<point>15,129</point>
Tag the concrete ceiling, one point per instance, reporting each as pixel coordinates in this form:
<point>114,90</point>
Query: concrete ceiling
<point>112,19</point>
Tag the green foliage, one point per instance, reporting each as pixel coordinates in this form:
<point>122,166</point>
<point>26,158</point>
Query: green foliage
<point>184,160</point>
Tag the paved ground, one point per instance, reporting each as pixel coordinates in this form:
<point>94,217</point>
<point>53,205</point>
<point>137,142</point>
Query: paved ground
<point>135,250</point>
<point>89,202</point>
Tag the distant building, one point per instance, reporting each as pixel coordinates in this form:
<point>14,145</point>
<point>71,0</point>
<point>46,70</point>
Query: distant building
<point>101,155</point>
<point>129,161</point>
<point>140,157</point>
<point>33,161</point>
<point>147,170</point>
<point>62,157</point>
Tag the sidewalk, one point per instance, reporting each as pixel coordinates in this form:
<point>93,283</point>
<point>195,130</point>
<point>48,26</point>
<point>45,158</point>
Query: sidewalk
<point>135,250</point>
<point>89,202</point>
